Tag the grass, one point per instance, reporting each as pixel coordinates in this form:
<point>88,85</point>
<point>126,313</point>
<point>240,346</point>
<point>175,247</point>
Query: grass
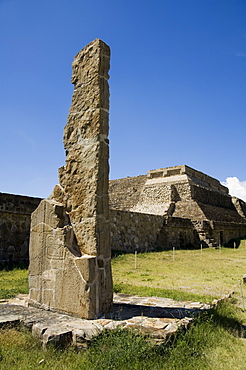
<point>192,275</point>
<point>13,282</point>
<point>188,274</point>
<point>158,292</point>
<point>212,343</point>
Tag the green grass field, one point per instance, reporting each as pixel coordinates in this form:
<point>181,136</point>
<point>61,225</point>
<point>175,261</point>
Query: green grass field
<point>13,282</point>
<point>184,274</point>
<point>214,342</point>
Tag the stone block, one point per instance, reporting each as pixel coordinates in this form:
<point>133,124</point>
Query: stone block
<point>59,337</point>
<point>9,321</point>
<point>70,236</point>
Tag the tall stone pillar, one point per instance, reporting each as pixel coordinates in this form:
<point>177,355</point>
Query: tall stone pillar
<point>70,265</point>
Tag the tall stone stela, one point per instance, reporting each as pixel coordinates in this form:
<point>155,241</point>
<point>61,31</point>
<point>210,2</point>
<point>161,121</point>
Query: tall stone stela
<point>70,254</point>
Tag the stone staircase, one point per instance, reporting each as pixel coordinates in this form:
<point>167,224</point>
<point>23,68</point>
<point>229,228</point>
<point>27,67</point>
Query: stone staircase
<point>210,242</point>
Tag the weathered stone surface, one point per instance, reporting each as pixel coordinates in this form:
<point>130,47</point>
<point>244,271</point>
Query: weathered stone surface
<point>15,219</point>
<point>70,269</point>
<point>153,316</point>
<point>57,336</point>
<point>9,321</point>
<point>132,231</point>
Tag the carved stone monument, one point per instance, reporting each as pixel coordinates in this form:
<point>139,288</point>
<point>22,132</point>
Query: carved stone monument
<point>70,254</point>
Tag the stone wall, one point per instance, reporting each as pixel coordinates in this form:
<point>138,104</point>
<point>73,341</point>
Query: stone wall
<point>178,233</point>
<point>154,199</point>
<point>131,231</point>
<point>240,206</point>
<point>209,196</point>
<point>124,193</point>
<point>223,232</point>
<point>15,219</point>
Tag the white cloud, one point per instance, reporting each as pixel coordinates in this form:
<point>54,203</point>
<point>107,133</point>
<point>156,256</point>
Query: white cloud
<point>240,54</point>
<point>236,188</point>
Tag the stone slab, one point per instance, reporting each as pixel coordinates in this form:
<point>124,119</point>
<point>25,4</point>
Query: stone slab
<point>153,316</point>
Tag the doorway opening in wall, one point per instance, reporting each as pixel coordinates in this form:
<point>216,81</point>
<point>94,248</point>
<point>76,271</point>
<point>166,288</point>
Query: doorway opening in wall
<point>221,238</point>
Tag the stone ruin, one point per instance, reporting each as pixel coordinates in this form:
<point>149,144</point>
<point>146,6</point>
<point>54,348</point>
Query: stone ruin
<point>169,207</point>
<point>173,207</point>
<point>70,253</point>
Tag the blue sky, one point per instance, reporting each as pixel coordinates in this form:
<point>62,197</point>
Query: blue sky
<point>178,80</point>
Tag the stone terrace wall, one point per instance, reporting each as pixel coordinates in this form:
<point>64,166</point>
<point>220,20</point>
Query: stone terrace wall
<point>227,231</point>
<point>209,196</point>
<point>240,206</point>
<point>124,193</point>
<point>215,213</point>
<point>207,204</point>
<point>132,231</point>
<point>154,199</point>
<point>196,176</point>
<point>15,218</point>
<point>179,233</point>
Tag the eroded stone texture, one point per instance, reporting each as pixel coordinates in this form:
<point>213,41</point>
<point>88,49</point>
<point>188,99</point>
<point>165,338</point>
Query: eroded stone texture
<point>15,219</point>
<point>70,267</point>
